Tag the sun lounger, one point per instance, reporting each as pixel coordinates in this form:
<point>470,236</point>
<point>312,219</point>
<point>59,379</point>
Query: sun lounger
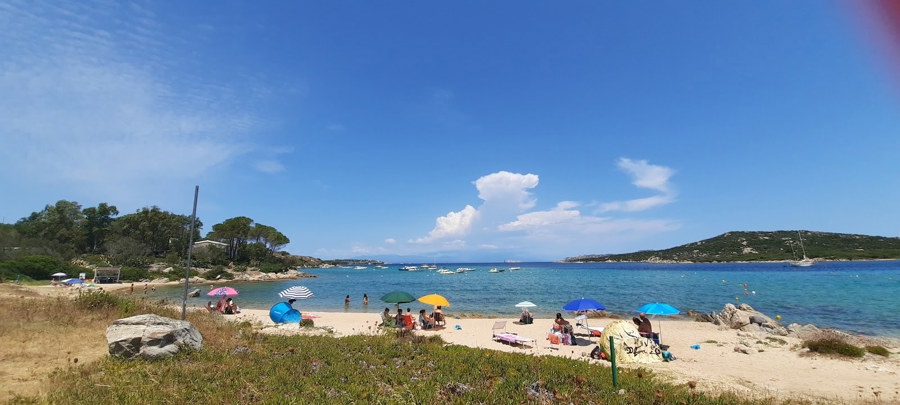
<point>501,335</point>
<point>581,323</point>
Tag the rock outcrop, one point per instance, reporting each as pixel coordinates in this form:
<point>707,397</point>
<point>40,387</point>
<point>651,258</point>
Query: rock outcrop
<point>151,336</point>
<point>745,318</point>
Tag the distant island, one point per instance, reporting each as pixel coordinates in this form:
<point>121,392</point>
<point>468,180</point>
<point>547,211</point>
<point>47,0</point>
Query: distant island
<point>763,246</point>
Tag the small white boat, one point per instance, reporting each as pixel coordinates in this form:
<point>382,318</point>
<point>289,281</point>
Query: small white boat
<point>409,268</point>
<point>515,268</point>
<point>464,269</point>
<point>495,270</point>
<point>446,271</point>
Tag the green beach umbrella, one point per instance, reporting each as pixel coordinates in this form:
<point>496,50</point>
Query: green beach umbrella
<point>398,297</point>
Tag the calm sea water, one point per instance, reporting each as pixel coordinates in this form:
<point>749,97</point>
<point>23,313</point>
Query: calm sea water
<point>854,296</point>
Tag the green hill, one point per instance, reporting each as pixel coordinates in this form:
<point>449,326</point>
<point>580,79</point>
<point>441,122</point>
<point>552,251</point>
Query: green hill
<point>764,246</point>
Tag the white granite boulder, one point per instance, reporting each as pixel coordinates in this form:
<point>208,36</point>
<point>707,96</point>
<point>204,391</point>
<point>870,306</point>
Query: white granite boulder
<point>151,336</point>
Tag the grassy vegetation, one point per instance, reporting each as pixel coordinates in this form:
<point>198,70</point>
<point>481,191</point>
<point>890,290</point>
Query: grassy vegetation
<point>879,350</point>
<point>239,365</point>
<point>834,346</point>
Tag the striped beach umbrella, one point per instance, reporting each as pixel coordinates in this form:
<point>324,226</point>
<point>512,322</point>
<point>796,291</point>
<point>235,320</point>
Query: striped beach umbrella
<point>297,292</point>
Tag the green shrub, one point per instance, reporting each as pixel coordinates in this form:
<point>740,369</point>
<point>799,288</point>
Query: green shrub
<point>833,346</point>
<point>103,300</point>
<point>218,273</point>
<point>879,350</point>
<point>307,323</point>
<point>134,274</point>
<point>37,267</point>
<point>270,268</point>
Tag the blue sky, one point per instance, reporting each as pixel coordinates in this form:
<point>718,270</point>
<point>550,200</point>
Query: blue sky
<point>457,131</point>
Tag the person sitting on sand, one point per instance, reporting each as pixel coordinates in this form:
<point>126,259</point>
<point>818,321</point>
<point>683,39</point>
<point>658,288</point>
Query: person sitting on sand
<point>438,315</point>
<point>526,317</point>
<point>426,321</point>
<point>399,319</point>
<point>645,328</point>
<point>387,319</point>
<point>564,326</point>
<point>220,306</point>
<point>230,307</point>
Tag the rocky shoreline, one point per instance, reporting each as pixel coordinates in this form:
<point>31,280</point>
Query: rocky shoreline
<point>749,322</point>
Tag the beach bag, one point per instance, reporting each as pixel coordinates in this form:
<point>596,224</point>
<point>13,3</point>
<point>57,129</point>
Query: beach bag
<point>667,356</point>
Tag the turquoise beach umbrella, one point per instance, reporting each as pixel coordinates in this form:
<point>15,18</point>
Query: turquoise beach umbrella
<point>658,308</point>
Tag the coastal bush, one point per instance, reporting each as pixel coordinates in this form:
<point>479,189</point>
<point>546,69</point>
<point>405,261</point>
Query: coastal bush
<point>879,350</point>
<point>104,300</point>
<point>218,273</point>
<point>833,346</point>
<point>134,274</point>
<point>270,268</point>
<point>37,267</point>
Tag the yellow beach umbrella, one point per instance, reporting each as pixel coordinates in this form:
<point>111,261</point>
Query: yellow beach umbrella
<point>434,299</point>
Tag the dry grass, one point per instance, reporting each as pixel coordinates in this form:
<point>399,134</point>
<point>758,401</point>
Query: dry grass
<point>38,334</point>
<point>44,333</point>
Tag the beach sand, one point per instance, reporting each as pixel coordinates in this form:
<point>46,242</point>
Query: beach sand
<point>774,369</point>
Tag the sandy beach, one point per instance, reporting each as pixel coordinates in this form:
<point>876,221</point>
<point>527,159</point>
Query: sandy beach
<point>776,366</point>
<point>781,370</point>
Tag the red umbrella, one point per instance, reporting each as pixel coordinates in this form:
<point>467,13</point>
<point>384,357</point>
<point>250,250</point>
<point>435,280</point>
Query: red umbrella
<point>222,292</point>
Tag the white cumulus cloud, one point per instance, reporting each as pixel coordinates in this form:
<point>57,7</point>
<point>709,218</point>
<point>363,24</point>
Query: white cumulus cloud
<point>648,176</point>
<point>454,224</point>
<point>507,220</point>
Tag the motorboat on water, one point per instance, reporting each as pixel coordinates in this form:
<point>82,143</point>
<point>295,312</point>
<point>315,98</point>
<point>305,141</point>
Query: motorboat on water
<point>446,271</point>
<point>409,268</point>
<point>496,270</point>
<point>515,268</point>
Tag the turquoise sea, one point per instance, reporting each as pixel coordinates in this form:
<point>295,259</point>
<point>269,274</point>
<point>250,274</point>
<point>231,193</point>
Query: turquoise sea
<point>857,296</point>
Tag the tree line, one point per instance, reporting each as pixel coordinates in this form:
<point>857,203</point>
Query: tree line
<point>65,232</point>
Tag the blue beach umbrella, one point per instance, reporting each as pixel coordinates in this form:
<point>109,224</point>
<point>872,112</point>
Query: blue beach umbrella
<point>658,308</point>
<point>583,304</point>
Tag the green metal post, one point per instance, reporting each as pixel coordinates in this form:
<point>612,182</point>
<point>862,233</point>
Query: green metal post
<point>612,359</point>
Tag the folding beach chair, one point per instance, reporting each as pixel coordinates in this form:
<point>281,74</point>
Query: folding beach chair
<point>581,322</point>
<point>501,335</point>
